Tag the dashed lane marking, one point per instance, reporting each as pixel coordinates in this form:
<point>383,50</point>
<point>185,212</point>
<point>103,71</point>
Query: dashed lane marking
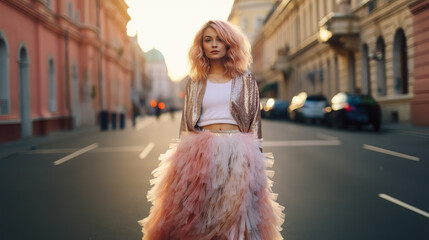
<point>326,137</point>
<point>402,204</point>
<point>147,150</point>
<point>98,150</point>
<point>75,154</point>
<point>301,143</point>
<point>392,153</point>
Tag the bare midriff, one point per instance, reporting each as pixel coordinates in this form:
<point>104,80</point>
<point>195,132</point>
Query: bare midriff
<point>221,127</point>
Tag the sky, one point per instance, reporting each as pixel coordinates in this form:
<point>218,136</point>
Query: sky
<point>170,27</point>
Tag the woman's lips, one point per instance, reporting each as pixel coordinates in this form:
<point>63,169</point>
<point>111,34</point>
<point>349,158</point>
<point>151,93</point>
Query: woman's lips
<point>214,52</point>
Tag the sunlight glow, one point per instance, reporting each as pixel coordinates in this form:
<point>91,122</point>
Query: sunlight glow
<point>170,26</point>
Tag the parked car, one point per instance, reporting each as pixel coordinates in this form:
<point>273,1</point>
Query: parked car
<point>353,109</point>
<point>274,108</point>
<point>304,107</point>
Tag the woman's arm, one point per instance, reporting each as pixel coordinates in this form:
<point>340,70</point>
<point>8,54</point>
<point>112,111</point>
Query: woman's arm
<point>183,125</point>
<point>256,127</point>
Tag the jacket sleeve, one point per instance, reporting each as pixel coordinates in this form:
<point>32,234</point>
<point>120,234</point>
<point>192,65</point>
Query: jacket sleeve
<point>256,127</point>
<point>183,125</point>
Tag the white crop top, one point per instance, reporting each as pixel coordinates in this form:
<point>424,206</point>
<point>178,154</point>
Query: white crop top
<point>215,106</point>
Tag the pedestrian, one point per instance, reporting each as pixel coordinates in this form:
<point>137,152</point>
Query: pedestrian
<point>213,184</point>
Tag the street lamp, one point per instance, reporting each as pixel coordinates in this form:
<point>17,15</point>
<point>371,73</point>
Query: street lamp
<point>325,34</point>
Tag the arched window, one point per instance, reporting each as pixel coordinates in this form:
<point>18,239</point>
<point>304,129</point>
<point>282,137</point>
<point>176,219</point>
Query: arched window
<point>4,76</point>
<point>25,92</point>
<point>400,63</point>
<point>380,57</point>
<point>298,30</point>
<point>52,87</point>
<point>351,62</point>
<point>366,79</point>
<point>329,76</point>
<point>337,74</point>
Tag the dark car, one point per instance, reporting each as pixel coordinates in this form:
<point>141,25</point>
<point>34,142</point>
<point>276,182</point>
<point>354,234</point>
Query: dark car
<point>353,109</point>
<point>274,108</point>
<point>306,107</point>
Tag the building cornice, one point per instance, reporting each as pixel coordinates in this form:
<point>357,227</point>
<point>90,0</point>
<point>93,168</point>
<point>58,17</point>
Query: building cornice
<point>277,17</point>
<point>384,11</point>
<point>55,22</point>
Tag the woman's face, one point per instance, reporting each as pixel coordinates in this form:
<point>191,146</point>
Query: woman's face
<point>214,47</point>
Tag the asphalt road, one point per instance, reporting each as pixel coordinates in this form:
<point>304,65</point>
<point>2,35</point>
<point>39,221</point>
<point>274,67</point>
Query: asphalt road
<point>335,184</point>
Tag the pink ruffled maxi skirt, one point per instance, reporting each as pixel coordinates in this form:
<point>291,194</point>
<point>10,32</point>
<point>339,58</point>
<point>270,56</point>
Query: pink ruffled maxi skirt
<point>213,185</point>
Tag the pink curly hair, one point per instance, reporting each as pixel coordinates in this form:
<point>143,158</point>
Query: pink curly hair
<point>237,59</point>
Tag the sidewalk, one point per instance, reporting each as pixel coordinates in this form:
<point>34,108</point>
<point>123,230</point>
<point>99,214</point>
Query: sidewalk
<point>10,148</point>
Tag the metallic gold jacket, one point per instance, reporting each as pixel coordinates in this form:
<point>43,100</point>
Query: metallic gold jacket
<point>244,104</point>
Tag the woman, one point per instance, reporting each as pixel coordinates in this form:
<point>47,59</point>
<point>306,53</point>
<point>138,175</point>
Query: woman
<point>213,185</point>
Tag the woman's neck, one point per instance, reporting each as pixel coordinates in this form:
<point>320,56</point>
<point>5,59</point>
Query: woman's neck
<point>217,68</point>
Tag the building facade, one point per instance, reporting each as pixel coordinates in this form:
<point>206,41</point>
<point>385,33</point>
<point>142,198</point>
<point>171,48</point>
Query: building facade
<point>324,47</point>
<point>420,101</point>
<point>140,84</point>
<point>250,15</point>
<point>157,73</point>
<point>62,62</point>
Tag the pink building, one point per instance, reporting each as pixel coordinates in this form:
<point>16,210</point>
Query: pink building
<point>61,63</point>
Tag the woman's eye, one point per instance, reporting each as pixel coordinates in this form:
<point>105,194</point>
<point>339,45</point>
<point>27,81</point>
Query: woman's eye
<point>220,40</point>
<point>207,40</point>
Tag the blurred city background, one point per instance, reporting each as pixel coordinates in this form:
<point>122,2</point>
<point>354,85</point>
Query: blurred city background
<point>86,107</point>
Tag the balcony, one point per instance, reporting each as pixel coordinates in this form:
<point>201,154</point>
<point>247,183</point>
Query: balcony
<point>282,63</point>
<point>340,30</point>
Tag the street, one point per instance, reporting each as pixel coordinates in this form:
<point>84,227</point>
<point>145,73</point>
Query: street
<point>334,184</point>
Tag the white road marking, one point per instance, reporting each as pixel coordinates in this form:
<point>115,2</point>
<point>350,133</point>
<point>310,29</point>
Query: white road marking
<point>144,123</point>
<point>385,151</point>
<point>301,143</point>
<point>57,150</point>
<point>77,153</point>
<point>147,150</point>
<point>402,204</point>
<point>119,149</point>
<point>101,149</point>
<point>326,137</point>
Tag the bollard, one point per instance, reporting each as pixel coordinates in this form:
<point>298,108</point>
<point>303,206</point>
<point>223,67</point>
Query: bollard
<point>114,118</point>
<point>122,121</point>
<point>104,120</point>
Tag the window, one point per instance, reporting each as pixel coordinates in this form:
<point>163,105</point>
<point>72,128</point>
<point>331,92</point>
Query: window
<point>371,6</point>
<point>352,71</point>
<point>4,76</point>
<point>366,80</point>
<point>297,31</point>
<point>52,86</point>
<point>328,70</point>
<point>400,63</point>
<point>69,10</point>
<point>380,57</point>
<point>337,74</point>
<point>77,17</point>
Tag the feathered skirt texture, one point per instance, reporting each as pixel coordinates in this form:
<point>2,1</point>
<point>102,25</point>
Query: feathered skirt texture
<point>213,186</point>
